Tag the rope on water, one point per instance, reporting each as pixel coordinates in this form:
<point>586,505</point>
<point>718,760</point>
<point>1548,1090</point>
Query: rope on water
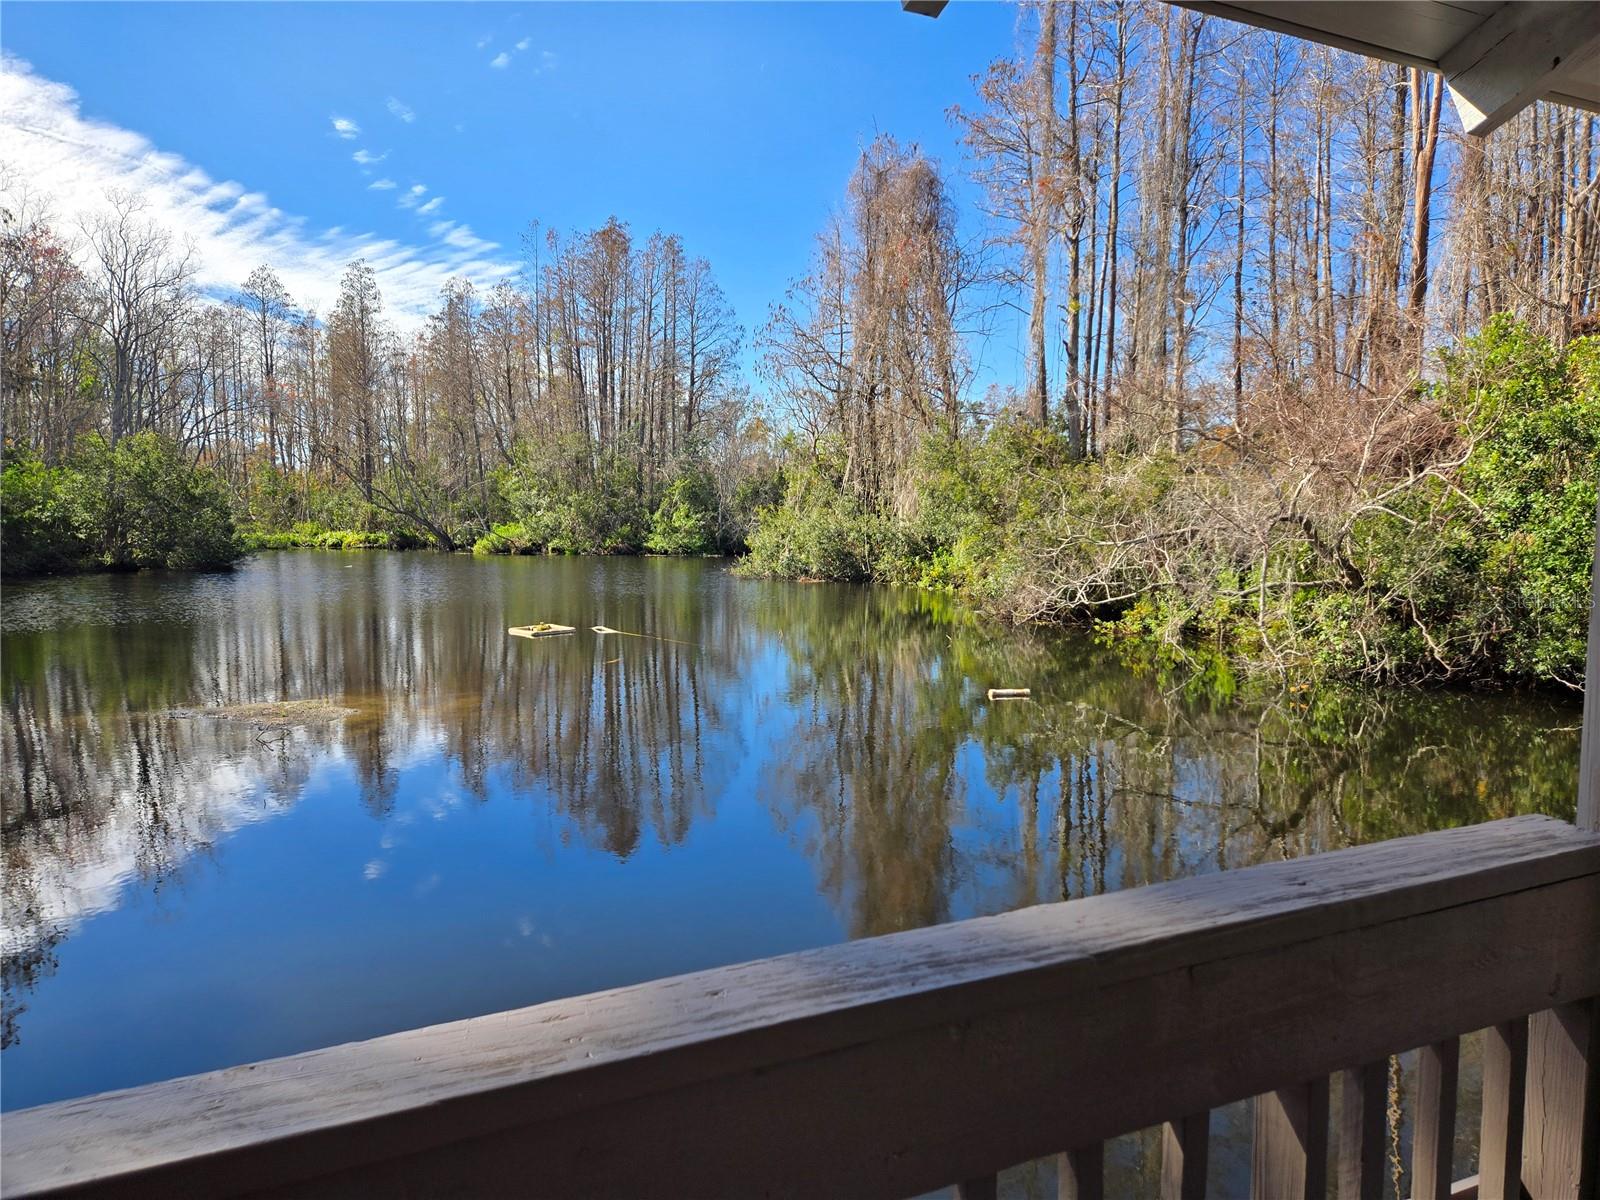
<point>654,637</point>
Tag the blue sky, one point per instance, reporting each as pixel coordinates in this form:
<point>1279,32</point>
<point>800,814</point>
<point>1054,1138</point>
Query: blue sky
<point>734,125</point>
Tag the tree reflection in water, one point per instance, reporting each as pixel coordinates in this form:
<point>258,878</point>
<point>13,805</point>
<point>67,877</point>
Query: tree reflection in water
<point>856,716</point>
<point>1117,780</point>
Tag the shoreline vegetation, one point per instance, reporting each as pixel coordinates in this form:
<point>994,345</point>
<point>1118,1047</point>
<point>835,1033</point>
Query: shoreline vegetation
<point>1300,379</point>
<point>1452,543</point>
<point>1460,555</point>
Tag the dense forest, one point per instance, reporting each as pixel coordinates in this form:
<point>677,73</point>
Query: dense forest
<point>570,407</point>
<point>1300,375</point>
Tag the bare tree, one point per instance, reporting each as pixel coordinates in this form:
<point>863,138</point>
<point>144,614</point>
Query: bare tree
<point>143,295</point>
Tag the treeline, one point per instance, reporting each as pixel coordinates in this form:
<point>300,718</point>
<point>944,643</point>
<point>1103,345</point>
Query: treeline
<point>1205,218</point>
<point>1237,260</point>
<point>1201,224</point>
<point>595,405</point>
<point>1184,374</point>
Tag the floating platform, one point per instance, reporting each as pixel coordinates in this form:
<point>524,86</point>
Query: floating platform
<point>1010,693</point>
<point>538,631</point>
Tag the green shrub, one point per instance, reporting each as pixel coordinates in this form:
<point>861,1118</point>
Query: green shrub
<point>1533,473</point>
<point>137,504</point>
<point>566,503</point>
<point>753,496</point>
<point>258,539</point>
<point>820,532</point>
<point>272,499</point>
<point>310,535</point>
<point>38,535</point>
<point>685,522</point>
<point>506,538</point>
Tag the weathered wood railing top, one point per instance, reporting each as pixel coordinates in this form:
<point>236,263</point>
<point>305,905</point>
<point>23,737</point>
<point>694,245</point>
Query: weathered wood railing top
<point>892,1065</point>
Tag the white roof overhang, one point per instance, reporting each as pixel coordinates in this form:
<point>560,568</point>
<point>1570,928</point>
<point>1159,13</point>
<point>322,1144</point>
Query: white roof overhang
<point>1497,57</point>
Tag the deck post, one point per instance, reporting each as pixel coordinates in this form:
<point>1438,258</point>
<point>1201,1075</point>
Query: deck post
<point>1589,751</point>
<point>1561,1138</point>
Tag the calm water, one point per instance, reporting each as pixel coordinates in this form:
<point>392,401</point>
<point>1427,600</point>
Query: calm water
<point>765,767</point>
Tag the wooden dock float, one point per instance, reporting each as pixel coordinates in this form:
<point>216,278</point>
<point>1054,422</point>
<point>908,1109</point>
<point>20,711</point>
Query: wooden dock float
<point>1010,693</point>
<point>543,629</point>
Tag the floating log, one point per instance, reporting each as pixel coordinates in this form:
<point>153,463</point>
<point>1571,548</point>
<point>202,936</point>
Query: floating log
<point>1010,693</point>
<point>543,629</point>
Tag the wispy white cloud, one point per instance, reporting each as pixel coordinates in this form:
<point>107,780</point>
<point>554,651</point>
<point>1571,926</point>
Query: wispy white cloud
<point>547,60</point>
<point>401,109</point>
<point>459,236</point>
<point>366,157</point>
<point>344,127</point>
<point>524,43</point>
<point>431,206</point>
<point>500,61</point>
<point>72,161</point>
<point>381,185</point>
<point>485,40</point>
<point>412,196</point>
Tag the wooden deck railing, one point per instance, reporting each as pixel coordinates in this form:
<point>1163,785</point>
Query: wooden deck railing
<point>895,1065</point>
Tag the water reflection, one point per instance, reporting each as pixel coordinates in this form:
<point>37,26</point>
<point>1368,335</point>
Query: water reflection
<point>753,768</point>
<point>919,801</point>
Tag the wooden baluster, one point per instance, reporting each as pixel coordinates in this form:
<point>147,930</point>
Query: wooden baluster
<point>1185,1147</point>
<point>1289,1160</point>
<point>1081,1173</point>
<point>1505,1073</point>
<point>1433,1135</point>
<point>985,1188</point>
<point>1363,1123</point>
<point>1561,1152</point>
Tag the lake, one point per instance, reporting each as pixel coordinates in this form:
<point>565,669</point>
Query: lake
<point>463,822</point>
